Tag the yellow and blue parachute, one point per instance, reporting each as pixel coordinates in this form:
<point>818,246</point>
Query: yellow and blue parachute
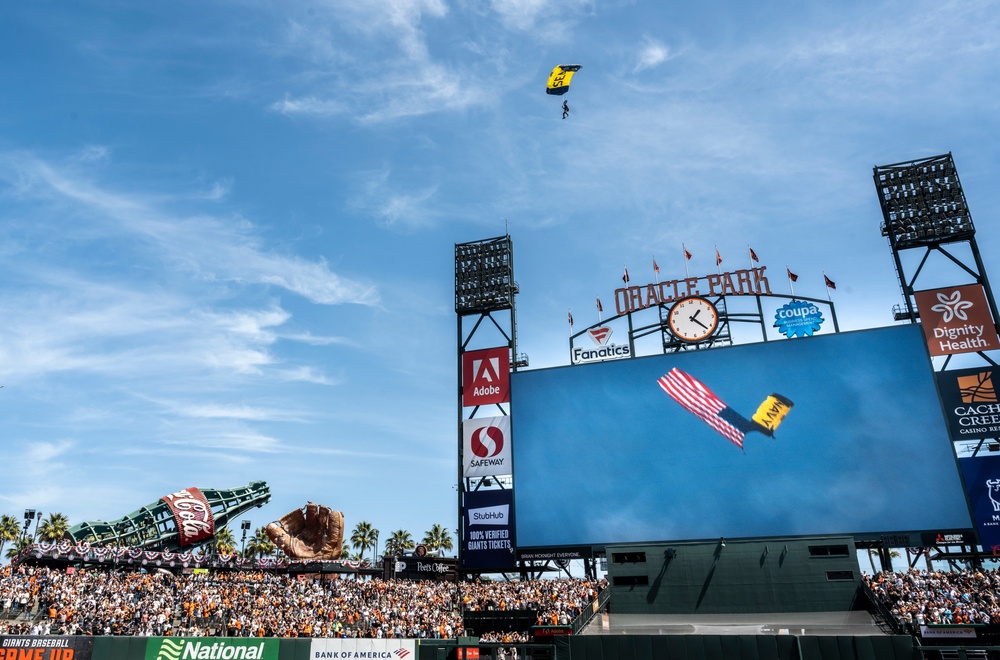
<point>560,77</point>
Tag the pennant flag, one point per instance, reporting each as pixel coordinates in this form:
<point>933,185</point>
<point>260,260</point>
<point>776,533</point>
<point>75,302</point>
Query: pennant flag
<point>718,257</point>
<point>656,268</point>
<point>829,283</point>
<point>687,255</point>
<point>569,315</point>
<point>692,394</point>
<point>792,276</point>
<point>625,276</point>
<point>599,307</point>
<point>753,255</point>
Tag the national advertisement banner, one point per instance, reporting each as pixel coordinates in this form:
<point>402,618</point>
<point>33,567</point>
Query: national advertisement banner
<point>486,446</point>
<point>489,530</point>
<point>956,319</point>
<point>23,647</point>
<point>341,649</point>
<point>486,376</point>
<point>208,648</point>
<point>982,482</point>
<point>970,403</point>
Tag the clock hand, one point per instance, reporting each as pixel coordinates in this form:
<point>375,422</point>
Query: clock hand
<point>696,313</point>
<point>694,320</point>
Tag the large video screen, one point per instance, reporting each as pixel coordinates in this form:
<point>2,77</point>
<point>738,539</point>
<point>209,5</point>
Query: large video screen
<point>835,434</point>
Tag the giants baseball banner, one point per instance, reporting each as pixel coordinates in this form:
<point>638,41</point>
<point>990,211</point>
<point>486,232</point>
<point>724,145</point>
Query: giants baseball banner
<point>486,446</point>
<point>957,319</point>
<point>22,647</point>
<point>486,376</point>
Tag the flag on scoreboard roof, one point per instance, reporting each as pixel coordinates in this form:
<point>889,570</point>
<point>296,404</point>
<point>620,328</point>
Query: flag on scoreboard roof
<point>569,316</point>
<point>687,255</point>
<point>600,308</point>
<point>656,267</point>
<point>625,277</point>
<point>792,276</point>
<point>692,394</point>
<point>718,257</point>
<point>753,255</point>
<point>829,283</point>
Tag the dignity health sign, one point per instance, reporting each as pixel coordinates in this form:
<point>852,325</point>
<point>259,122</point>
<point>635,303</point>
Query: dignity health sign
<point>957,320</point>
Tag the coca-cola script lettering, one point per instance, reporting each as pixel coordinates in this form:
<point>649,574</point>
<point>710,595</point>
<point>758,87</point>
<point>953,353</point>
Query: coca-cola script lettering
<point>192,515</point>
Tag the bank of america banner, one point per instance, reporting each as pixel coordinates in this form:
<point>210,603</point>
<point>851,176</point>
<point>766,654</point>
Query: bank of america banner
<point>982,482</point>
<point>338,649</point>
<point>486,446</point>
<point>970,402</point>
<point>15,647</point>
<point>488,540</point>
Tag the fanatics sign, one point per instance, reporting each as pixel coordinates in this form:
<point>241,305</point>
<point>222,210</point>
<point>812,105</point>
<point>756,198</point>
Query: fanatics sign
<point>957,320</point>
<point>486,377</point>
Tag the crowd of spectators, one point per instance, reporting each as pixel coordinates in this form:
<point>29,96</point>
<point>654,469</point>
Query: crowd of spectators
<point>917,597</point>
<point>50,601</point>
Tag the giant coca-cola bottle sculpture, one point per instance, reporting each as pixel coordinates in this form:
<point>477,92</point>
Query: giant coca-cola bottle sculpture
<point>181,521</point>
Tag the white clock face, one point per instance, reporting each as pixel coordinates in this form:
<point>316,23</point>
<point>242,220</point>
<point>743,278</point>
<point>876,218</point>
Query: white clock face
<point>693,319</point>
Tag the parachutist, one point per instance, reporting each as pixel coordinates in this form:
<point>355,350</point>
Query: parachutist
<point>565,110</point>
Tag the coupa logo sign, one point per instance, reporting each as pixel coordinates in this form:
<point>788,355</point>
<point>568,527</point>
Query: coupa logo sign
<point>200,649</point>
<point>487,446</point>
<point>798,319</point>
<point>604,351</point>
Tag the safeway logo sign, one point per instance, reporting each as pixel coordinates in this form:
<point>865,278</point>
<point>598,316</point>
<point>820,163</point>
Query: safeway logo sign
<point>600,335</point>
<point>487,446</point>
<point>486,377</point>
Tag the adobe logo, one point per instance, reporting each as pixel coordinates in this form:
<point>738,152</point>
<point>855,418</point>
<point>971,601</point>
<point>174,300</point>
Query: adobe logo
<point>486,376</point>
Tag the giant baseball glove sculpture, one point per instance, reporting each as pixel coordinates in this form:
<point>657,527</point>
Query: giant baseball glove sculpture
<point>316,532</point>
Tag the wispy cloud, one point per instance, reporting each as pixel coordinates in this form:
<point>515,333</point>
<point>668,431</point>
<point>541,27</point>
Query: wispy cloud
<point>650,55</point>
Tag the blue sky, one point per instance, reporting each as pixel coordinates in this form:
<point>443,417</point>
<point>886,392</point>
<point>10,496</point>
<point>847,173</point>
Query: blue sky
<point>227,229</point>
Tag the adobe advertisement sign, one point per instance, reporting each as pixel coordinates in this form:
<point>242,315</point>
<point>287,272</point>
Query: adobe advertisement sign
<point>970,403</point>
<point>486,377</point>
<point>956,320</point>
<point>486,446</point>
<point>982,479</point>
<point>192,515</point>
<point>489,530</point>
<point>18,647</point>
<point>866,432</point>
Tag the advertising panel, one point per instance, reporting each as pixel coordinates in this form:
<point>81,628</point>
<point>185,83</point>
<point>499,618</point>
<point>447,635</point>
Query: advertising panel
<point>22,647</point>
<point>207,648</point>
<point>486,446</point>
<point>970,403</point>
<point>489,530</point>
<point>956,319</point>
<point>828,434</point>
<point>486,377</point>
<point>340,649</point>
<point>982,479</point>
<point>192,514</point>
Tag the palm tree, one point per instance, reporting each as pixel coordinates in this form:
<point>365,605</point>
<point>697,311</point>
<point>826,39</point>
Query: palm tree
<point>399,542</point>
<point>53,528</point>
<point>20,543</point>
<point>260,545</point>
<point>438,538</point>
<point>364,536</point>
<point>224,542</point>
<point>10,530</point>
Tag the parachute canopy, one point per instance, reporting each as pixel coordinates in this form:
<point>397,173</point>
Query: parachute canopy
<point>560,77</point>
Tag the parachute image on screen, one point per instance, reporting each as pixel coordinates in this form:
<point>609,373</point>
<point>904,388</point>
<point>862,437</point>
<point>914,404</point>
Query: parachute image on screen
<point>603,453</point>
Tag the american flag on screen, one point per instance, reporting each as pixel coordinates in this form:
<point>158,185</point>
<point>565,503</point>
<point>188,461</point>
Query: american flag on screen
<point>692,394</point>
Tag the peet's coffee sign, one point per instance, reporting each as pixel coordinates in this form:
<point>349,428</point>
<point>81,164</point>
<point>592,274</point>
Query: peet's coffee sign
<point>956,319</point>
<point>736,283</point>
